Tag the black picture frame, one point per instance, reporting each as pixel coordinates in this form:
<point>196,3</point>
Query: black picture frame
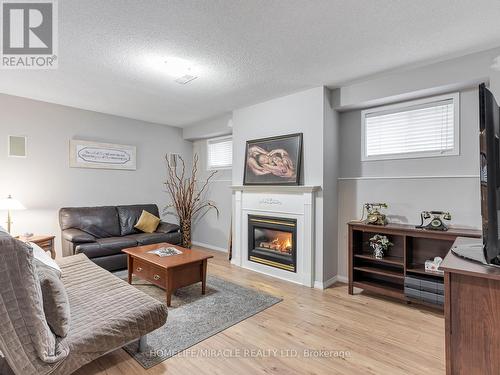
<point>291,144</point>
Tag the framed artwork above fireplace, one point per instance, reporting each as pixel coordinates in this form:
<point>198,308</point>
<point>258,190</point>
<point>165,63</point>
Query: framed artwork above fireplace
<point>273,161</point>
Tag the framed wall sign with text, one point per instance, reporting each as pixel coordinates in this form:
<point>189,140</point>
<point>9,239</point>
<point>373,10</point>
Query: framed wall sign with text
<point>85,154</point>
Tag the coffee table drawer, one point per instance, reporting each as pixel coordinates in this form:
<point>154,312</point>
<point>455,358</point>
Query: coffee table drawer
<point>149,272</point>
<point>141,269</point>
<point>156,276</point>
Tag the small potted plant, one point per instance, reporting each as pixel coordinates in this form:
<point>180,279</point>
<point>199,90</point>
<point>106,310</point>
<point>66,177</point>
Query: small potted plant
<point>380,244</point>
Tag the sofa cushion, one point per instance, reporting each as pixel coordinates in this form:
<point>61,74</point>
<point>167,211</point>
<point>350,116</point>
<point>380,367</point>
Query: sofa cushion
<point>90,249</point>
<point>165,227</point>
<point>43,260</point>
<point>129,216</point>
<point>105,218</point>
<point>147,222</point>
<point>152,238</point>
<point>55,301</point>
<point>96,231</point>
<point>105,246</point>
<point>77,236</point>
<point>112,262</point>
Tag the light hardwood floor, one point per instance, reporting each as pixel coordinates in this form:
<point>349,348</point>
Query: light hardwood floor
<point>379,336</point>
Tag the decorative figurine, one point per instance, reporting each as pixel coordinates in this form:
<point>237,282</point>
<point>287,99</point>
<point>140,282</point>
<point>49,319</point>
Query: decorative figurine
<point>374,216</point>
<point>435,220</point>
<point>380,244</point>
<point>433,265</point>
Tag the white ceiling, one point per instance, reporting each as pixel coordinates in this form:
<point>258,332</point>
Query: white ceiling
<point>111,52</point>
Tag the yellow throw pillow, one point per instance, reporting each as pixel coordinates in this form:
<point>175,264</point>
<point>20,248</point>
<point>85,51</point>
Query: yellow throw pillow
<point>147,222</point>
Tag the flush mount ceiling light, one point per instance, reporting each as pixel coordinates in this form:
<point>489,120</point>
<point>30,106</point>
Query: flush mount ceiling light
<point>181,70</point>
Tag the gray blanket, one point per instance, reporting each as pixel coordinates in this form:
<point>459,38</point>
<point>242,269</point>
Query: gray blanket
<point>106,314</point>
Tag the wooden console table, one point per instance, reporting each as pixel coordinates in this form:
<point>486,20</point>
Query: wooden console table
<point>412,247</point>
<point>472,316</point>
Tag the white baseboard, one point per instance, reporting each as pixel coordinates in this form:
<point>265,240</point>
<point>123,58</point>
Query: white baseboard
<point>325,284</point>
<point>342,279</point>
<point>208,246</point>
<point>330,282</point>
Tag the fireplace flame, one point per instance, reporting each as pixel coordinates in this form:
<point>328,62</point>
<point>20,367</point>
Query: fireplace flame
<point>283,244</point>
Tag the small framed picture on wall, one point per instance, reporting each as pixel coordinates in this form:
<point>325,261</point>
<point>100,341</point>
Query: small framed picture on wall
<point>274,160</point>
<point>17,146</point>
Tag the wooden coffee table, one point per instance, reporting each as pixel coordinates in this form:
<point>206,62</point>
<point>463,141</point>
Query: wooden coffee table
<point>169,273</point>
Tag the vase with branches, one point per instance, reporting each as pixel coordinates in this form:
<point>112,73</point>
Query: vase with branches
<point>187,196</point>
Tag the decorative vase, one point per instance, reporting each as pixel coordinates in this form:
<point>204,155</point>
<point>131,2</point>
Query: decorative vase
<point>186,196</point>
<point>380,244</point>
<point>378,251</point>
<point>186,233</point>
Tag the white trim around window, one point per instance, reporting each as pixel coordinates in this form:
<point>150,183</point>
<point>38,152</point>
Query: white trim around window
<point>220,153</point>
<point>415,129</point>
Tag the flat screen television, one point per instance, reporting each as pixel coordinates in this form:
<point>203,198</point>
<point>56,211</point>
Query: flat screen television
<point>489,147</point>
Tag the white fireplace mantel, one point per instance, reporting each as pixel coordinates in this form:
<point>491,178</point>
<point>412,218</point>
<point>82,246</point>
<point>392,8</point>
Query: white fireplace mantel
<point>296,202</point>
<point>277,188</point>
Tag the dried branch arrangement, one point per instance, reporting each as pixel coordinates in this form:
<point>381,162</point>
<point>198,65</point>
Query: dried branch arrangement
<point>187,198</point>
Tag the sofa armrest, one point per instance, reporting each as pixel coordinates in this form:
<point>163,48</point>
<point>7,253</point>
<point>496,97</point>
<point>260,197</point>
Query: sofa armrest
<point>77,236</point>
<point>165,227</point>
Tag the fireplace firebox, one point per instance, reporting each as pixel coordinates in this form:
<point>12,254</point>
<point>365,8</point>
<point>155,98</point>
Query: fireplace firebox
<point>273,241</point>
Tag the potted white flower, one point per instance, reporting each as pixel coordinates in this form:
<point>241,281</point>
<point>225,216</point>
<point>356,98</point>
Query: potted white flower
<point>380,244</point>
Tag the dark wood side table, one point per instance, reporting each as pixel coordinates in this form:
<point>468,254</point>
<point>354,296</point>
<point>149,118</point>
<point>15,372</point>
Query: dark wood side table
<point>47,243</point>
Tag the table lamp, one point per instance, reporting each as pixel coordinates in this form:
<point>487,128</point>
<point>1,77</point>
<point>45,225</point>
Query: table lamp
<point>10,204</point>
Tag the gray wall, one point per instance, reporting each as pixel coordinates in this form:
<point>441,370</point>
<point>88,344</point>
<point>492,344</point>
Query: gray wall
<point>209,230</point>
<point>214,127</point>
<point>465,163</point>
<point>330,188</point>
<point>411,185</point>
<point>44,182</point>
<point>418,81</point>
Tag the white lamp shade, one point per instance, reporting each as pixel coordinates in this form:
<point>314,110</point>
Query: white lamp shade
<point>11,204</point>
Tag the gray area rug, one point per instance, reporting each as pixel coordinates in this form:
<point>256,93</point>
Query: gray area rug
<point>193,318</point>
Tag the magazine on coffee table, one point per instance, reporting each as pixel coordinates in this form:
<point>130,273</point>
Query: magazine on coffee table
<point>165,251</point>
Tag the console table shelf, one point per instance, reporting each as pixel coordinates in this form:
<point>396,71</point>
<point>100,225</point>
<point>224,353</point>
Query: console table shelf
<point>386,259</point>
<point>412,247</point>
<point>380,271</point>
<point>420,269</point>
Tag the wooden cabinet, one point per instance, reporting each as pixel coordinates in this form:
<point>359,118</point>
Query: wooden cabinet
<point>412,247</point>
<point>472,317</point>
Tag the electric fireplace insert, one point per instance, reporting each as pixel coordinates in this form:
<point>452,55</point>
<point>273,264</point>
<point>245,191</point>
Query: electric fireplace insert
<point>273,241</point>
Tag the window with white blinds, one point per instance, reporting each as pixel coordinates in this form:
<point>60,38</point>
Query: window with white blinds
<point>220,153</point>
<point>421,128</point>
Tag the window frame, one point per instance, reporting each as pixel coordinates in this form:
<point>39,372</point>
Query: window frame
<point>399,107</point>
<point>208,141</point>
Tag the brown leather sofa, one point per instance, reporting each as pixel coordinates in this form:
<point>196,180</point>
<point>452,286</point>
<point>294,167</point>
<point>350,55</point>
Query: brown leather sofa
<point>102,232</point>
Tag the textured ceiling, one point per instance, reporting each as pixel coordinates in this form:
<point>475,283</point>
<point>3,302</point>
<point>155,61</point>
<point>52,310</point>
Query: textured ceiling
<point>111,51</point>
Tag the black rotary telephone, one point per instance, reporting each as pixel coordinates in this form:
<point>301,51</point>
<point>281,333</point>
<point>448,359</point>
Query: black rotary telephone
<point>434,220</point>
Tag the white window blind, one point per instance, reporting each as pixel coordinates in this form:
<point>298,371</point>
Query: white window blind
<point>421,128</point>
<point>220,153</point>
